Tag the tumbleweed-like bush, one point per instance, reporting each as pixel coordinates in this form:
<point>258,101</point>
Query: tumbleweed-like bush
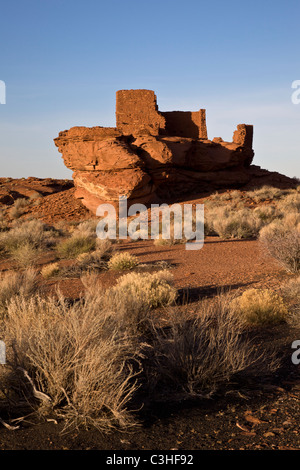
<point>282,242</point>
<point>122,261</point>
<point>197,353</point>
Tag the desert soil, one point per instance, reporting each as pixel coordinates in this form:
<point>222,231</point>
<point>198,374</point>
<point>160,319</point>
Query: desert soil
<point>261,415</point>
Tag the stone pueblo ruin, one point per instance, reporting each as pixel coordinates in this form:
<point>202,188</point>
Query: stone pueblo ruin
<point>154,156</point>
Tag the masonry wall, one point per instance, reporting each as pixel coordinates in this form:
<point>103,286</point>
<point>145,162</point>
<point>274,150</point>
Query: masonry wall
<point>186,123</point>
<point>137,112</point>
<point>243,135</point>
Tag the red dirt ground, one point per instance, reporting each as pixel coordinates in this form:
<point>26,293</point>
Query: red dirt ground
<point>265,417</point>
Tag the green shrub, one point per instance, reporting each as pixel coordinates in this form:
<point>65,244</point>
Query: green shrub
<point>75,245</point>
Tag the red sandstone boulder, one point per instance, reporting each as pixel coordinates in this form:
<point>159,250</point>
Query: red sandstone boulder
<point>98,187</point>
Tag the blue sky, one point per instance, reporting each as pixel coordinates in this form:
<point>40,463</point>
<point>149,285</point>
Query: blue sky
<point>63,61</point>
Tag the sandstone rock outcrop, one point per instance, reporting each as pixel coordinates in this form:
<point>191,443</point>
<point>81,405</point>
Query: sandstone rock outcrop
<point>152,156</point>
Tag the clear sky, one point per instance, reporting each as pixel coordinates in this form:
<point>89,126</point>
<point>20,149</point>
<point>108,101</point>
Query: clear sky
<point>63,61</point>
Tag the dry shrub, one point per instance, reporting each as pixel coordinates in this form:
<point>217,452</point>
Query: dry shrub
<point>92,362</point>
<point>105,248</point>
<point>18,208</point>
<point>129,311</point>
<point>24,241</point>
<point>260,307</point>
<point>13,284</point>
<point>77,356</point>
<point>89,261</point>
<point>133,296</point>
<point>152,289</point>
<point>267,213</point>
<point>282,242</point>
<point>122,261</point>
<point>291,294</point>
<point>199,352</point>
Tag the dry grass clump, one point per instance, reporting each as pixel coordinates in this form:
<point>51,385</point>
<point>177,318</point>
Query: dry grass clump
<point>76,245</point>
<point>266,193</point>
<point>233,196</point>
<point>235,224</point>
<point>282,241</point>
<point>3,221</point>
<point>260,307</point>
<point>25,255</point>
<point>267,213</point>
<point>131,312</point>
<point>168,241</point>
<point>290,203</point>
<point>76,356</point>
<point>29,231</point>
<point>86,228</point>
<point>123,261</point>
<point>19,208</point>
<point>25,241</point>
<point>105,248</point>
<point>50,270</point>
<point>13,284</point>
<point>96,260</point>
